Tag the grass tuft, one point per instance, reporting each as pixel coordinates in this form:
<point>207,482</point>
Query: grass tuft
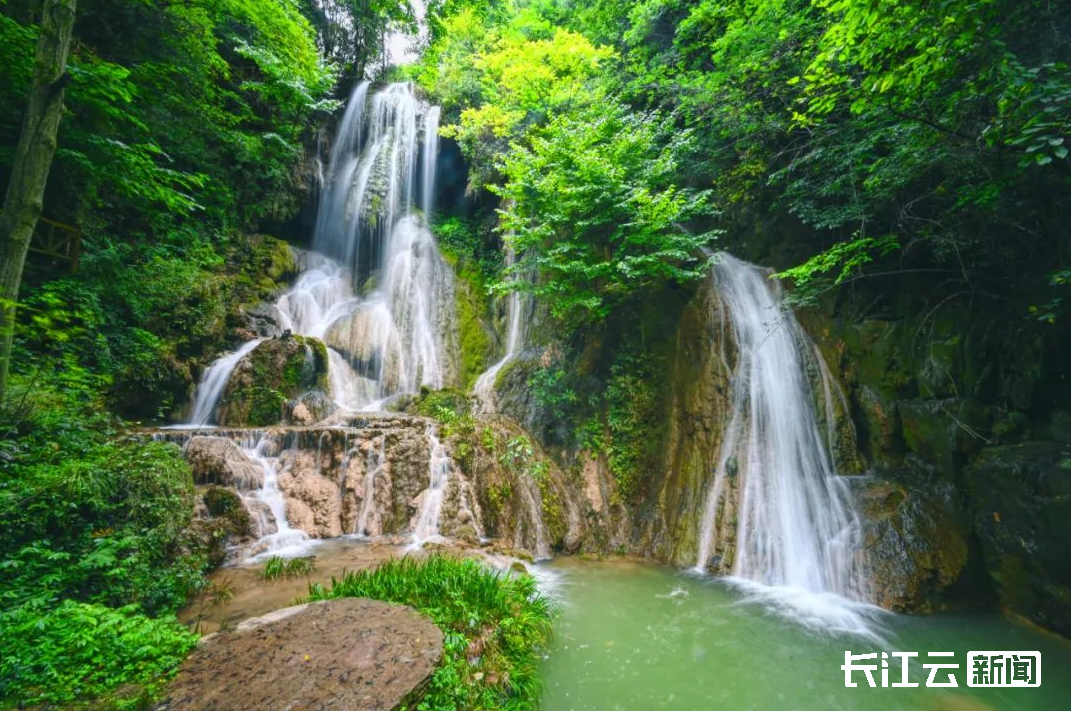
<point>276,568</point>
<point>494,625</point>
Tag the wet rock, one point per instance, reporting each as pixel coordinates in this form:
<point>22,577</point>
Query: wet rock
<point>915,544</point>
<point>1021,496</point>
<point>310,408</point>
<point>699,407</point>
<point>268,377</point>
<point>218,460</point>
<point>944,432</point>
<point>357,338</point>
<point>516,490</point>
<point>224,503</point>
<point>350,654</point>
<point>261,519</point>
<point>262,321</point>
<point>313,501</point>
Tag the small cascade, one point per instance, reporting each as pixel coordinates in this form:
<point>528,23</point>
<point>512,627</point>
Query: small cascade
<point>431,155</point>
<point>440,466</point>
<point>776,506</point>
<point>214,381</point>
<point>541,551</point>
<point>517,308</point>
<point>286,540</point>
<point>375,465</point>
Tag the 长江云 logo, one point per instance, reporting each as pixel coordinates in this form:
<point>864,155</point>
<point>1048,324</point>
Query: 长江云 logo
<point>984,669</point>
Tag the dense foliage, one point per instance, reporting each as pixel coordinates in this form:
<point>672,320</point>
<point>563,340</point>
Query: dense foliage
<point>839,140</point>
<point>589,204</point>
<point>940,129</point>
<point>611,146</point>
<point>81,650</point>
<point>93,533</point>
<point>494,626</point>
<point>171,106</point>
<point>186,133</point>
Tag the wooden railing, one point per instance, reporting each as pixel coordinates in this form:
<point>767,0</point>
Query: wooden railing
<point>57,240</point>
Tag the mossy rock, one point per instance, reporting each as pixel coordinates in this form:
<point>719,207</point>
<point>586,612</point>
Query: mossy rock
<point>226,504</point>
<point>916,545</point>
<point>1021,500</point>
<point>476,347</point>
<point>274,373</point>
<point>944,432</point>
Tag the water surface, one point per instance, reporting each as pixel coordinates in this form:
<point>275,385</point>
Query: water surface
<point>634,636</point>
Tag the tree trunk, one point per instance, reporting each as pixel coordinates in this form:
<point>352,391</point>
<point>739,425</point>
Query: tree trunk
<point>33,159</point>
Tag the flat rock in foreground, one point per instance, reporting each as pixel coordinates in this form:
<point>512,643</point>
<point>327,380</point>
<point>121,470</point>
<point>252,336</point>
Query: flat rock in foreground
<point>346,654</point>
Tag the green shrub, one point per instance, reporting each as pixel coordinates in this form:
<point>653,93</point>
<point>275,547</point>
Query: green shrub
<point>90,514</point>
<point>494,625</point>
<point>79,651</point>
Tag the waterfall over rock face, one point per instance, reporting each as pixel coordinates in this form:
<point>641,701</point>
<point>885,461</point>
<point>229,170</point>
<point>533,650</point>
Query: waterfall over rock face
<point>777,513</point>
<point>517,308</point>
<point>397,335</point>
<point>376,290</point>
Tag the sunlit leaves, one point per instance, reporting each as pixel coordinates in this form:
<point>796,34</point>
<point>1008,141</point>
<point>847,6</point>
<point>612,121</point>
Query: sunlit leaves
<point>591,204</point>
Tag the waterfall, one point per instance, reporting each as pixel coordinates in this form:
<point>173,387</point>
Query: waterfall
<point>776,504</point>
<point>375,464</point>
<point>439,468</point>
<point>210,390</point>
<point>431,155</point>
<point>398,335</point>
<point>516,312</point>
<point>376,289</point>
<point>535,519</point>
<point>287,540</point>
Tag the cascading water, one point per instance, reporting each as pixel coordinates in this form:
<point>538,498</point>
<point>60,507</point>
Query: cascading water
<point>431,155</point>
<point>210,390</point>
<point>376,290</point>
<point>439,468</point>
<point>397,336</point>
<point>535,519</point>
<point>286,540</point>
<point>516,326</point>
<point>375,465</point>
<point>776,504</point>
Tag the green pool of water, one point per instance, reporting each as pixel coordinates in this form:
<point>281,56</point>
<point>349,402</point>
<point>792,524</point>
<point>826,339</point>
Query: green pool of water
<point>633,637</point>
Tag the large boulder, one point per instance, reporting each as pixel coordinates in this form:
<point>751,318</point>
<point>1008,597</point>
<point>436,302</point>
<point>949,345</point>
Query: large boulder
<point>1021,497</point>
<point>268,378</point>
<point>916,546</point>
<point>337,655</point>
<point>218,460</point>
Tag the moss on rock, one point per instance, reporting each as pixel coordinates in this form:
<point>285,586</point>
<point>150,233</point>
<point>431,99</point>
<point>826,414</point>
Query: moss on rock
<point>472,307</point>
<point>1021,498</point>
<point>270,376</point>
<point>917,548</point>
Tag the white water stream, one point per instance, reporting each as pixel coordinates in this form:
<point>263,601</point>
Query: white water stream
<point>440,466</point>
<point>777,504</point>
<point>287,541</point>
<point>210,390</point>
<point>375,465</point>
<point>375,289</point>
<point>516,327</point>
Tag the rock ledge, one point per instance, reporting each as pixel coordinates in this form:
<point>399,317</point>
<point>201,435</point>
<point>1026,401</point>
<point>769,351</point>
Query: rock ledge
<point>345,655</point>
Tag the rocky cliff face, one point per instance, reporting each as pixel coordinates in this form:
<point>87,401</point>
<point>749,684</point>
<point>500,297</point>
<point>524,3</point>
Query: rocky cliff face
<point>948,423</point>
<point>961,410</point>
<point>369,475</point>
